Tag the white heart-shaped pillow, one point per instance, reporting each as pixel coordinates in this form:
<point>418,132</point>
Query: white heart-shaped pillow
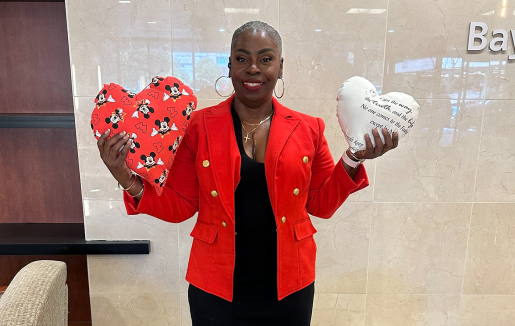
<point>360,109</point>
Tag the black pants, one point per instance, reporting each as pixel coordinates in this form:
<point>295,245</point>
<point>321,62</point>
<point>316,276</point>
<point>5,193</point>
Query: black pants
<point>209,310</point>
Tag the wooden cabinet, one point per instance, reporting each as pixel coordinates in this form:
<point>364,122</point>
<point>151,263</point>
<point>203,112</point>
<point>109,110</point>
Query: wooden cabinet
<point>39,169</point>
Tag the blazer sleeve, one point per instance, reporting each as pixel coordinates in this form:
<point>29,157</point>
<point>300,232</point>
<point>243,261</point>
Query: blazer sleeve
<point>180,197</point>
<point>330,184</point>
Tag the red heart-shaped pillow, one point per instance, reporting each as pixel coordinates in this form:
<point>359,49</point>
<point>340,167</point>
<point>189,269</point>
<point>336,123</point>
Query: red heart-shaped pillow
<point>155,119</point>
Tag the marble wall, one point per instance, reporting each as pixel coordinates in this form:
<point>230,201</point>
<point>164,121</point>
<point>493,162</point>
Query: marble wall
<point>429,242</point>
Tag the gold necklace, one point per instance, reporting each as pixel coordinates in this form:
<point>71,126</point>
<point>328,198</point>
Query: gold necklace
<point>252,124</point>
<point>257,126</point>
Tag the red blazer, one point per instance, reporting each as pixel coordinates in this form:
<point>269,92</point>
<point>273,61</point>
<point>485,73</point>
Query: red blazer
<point>301,176</point>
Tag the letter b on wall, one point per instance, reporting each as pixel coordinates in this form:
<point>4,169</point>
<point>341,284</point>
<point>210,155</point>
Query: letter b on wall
<point>473,35</point>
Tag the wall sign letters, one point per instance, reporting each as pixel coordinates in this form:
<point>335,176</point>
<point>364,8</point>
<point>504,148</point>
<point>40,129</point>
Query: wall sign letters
<point>498,43</point>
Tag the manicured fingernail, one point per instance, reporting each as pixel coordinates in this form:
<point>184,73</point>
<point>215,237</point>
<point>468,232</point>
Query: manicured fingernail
<point>367,136</point>
<point>126,137</point>
<point>123,132</point>
<point>107,131</point>
<point>374,131</point>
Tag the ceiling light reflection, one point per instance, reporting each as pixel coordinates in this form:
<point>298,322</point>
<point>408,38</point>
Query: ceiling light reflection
<point>366,11</point>
<point>253,11</point>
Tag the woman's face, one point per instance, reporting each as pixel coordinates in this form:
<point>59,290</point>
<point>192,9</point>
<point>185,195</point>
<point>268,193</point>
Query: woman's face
<point>255,67</point>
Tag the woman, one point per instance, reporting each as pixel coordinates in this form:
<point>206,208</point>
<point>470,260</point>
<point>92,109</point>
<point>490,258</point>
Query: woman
<point>253,169</point>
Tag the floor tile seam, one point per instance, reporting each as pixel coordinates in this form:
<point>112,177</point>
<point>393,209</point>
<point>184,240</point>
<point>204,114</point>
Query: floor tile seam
<point>136,292</point>
<point>437,202</point>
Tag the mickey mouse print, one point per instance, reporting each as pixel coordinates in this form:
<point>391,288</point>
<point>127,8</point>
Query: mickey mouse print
<point>155,111</point>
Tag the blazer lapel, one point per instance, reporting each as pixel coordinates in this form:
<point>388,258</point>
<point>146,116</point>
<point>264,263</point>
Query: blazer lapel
<point>223,153</point>
<point>280,130</point>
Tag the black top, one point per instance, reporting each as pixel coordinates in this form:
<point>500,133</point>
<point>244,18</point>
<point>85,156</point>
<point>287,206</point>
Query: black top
<point>255,273</point>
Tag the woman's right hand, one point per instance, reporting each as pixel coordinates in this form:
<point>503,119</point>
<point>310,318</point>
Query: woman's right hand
<point>114,158</point>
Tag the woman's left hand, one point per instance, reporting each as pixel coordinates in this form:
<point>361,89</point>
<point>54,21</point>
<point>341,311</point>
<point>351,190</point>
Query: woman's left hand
<point>390,142</point>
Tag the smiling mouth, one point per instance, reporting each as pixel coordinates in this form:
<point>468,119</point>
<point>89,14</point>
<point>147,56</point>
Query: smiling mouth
<point>253,84</point>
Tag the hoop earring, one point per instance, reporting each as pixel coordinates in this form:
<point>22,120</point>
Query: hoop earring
<point>216,90</point>
<point>282,94</point>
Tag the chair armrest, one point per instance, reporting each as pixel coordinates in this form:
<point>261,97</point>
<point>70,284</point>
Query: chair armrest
<point>36,296</point>
<point>2,290</point>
